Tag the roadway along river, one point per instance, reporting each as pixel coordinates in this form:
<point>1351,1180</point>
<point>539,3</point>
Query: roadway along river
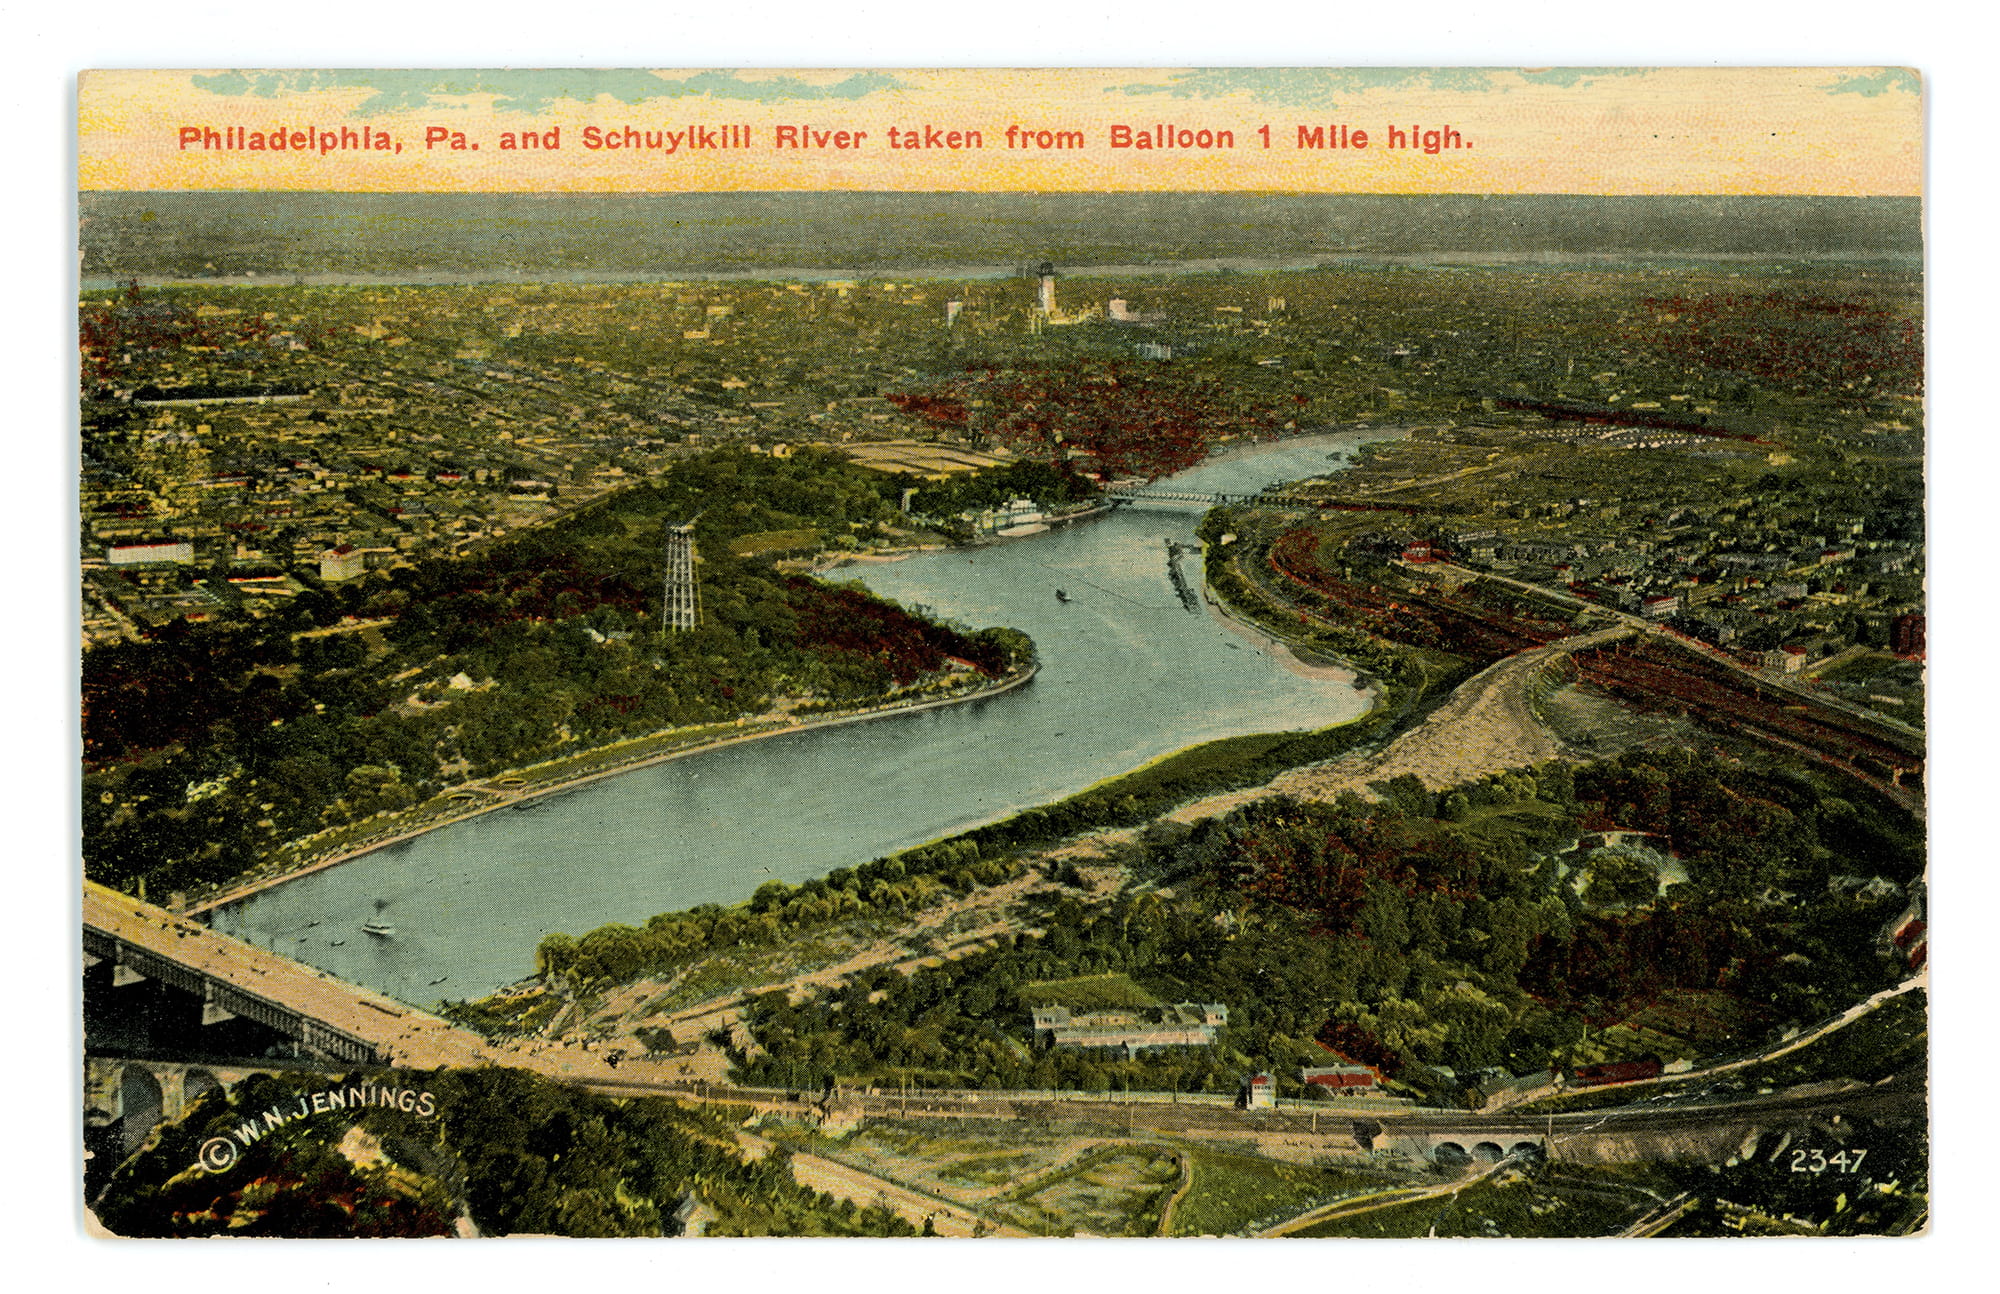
<point>1128,674</point>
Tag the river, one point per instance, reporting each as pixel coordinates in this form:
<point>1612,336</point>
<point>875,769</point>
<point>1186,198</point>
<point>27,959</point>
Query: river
<point>1128,674</point>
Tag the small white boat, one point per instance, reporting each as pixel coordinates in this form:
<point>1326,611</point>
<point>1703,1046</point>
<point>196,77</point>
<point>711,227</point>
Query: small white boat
<point>380,926</point>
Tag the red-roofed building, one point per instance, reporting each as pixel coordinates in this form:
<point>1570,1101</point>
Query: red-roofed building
<point>1341,1077</point>
<point>342,563</point>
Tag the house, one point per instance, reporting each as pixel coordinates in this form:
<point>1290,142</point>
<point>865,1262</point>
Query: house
<point>342,563</point>
<point>1260,1092</point>
<point>1128,1031</point>
<point>1339,1078</point>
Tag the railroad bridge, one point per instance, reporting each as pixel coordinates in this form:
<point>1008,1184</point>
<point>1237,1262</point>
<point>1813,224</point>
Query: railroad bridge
<point>1456,1149</point>
<point>1150,496</point>
<point>1134,495</point>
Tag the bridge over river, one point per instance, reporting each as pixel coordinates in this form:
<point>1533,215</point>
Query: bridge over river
<point>128,942</point>
<point>1164,496</point>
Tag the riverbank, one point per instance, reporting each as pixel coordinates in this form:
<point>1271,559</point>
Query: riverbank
<point>841,561</point>
<point>511,797</point>
<point>1129,676</point>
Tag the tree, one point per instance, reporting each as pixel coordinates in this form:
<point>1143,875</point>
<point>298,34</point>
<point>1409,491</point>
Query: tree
<point>1620,880</point>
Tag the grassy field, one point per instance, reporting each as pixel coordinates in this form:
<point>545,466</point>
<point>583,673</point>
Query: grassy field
<point>1535,823</point>
<point>1087,991</point>
<point>774,541</point>
<point>1231,1191</point>
<point>965,1159</point>
<point>987,1170</point>
<point>1512,1206</point>
<point>754,968</point>
<point>1115,1190</point>
<point>1072,1179</point>
<point>504,1014</point>
<point>604,757</point>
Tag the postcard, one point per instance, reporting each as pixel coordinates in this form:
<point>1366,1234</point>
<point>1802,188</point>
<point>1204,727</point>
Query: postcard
<point>1031,653</point>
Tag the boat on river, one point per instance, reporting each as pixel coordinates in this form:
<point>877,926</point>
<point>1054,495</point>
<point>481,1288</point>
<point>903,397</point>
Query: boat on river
<point>380,926</point>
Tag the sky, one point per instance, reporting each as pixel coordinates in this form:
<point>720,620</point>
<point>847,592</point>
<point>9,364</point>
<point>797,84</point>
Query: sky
<point>1849,131</point>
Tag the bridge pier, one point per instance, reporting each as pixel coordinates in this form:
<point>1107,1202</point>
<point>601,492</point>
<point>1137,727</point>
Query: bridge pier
<point>124,1100</point>
<point>1465,1149</point>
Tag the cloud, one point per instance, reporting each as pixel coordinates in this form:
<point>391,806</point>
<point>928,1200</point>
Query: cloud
<point>1318,88</point>
<point>535,91</point>
<point>1570,78</point>
<point>1307,87</point>
<point>1900,80</point>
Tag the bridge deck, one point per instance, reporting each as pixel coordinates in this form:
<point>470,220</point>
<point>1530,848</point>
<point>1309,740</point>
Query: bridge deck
<point>401,1034</point>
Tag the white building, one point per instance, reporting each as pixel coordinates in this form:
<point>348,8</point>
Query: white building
<point>342,563</point>
<point>143,554</point>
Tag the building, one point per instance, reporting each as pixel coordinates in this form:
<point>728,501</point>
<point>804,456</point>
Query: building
<point>1128,1031</point>
<point>1341,1077</point>
<point>1260,1092</point>
<point>1787,660</point>
<point>1907,935</point>
<point>1119,310</point>
<point>1045,293</point>
<point>146,554</point>
<point>342,563</point>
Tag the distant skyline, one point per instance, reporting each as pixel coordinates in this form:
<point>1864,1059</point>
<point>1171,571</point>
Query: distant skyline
<point>1737,131</point>
<point>445,237</point>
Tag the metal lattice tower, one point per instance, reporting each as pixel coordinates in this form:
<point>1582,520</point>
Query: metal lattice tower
<point>683,604</point>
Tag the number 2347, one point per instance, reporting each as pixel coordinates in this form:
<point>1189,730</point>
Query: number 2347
<point>1818,1161</point>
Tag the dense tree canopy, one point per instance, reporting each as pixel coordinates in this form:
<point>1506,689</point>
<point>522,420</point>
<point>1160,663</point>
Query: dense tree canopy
<point>210,744</point>
<point>505,1150</point>
<point>1434,936</point>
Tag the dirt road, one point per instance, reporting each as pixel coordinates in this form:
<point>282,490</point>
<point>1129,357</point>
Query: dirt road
<point>1487,726</point>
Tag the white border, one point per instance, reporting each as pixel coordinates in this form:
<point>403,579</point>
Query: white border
<point>46,47</point>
